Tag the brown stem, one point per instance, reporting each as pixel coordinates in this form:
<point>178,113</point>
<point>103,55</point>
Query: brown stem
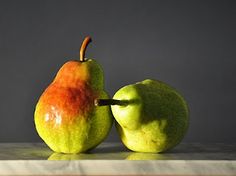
<point>106,102</point>
<point>83,47</point>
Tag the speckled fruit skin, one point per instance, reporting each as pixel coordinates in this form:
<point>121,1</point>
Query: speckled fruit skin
<point>155,119</point>
<point>65,115</point>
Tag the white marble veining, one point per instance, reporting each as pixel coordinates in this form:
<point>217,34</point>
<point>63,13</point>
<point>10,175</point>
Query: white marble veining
<point>115,159</point>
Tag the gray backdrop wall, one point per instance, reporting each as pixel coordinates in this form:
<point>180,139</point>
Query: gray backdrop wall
<point>190,45</point>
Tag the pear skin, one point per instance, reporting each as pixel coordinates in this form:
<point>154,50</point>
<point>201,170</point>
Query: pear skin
<point>65,115</point>
<point>150,116</point>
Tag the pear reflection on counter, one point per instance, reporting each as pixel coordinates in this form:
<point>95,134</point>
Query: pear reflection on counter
<point>109,156</point>
<point>89,156</point>
<point>147,156</point>
<point>110,151</point>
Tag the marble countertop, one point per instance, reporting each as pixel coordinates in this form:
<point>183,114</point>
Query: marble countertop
<point>115,159</point>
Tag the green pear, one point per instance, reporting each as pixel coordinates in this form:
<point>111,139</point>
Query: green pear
<point>151,116</point>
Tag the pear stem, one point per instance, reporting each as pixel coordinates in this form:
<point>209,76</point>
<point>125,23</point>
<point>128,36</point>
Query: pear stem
<point>106,102</point>
<point>83,47</point>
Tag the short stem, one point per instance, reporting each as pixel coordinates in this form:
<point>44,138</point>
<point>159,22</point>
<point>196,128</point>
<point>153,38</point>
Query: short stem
<point>106,102</point>
<point>83,47</point>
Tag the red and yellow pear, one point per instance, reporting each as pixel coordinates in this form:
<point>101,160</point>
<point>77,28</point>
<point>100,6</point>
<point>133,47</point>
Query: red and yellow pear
<point>65,115</point>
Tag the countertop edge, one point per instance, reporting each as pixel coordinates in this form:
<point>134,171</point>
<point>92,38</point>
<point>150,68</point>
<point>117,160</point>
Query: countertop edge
<point>118,167</point>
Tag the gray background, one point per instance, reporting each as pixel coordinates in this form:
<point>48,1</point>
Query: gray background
<point>190,45</point>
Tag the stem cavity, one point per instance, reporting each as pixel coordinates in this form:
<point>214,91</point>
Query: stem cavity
<point>83,47</point>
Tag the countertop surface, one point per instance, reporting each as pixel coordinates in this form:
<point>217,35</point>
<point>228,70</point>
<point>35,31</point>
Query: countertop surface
<point>115,159</point>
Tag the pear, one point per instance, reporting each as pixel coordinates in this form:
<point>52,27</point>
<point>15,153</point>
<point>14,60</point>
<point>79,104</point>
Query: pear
<point>65,115</point>
<point>151,116</point>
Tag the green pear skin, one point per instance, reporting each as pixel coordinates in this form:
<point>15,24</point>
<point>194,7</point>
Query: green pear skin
<point>154,117</point>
